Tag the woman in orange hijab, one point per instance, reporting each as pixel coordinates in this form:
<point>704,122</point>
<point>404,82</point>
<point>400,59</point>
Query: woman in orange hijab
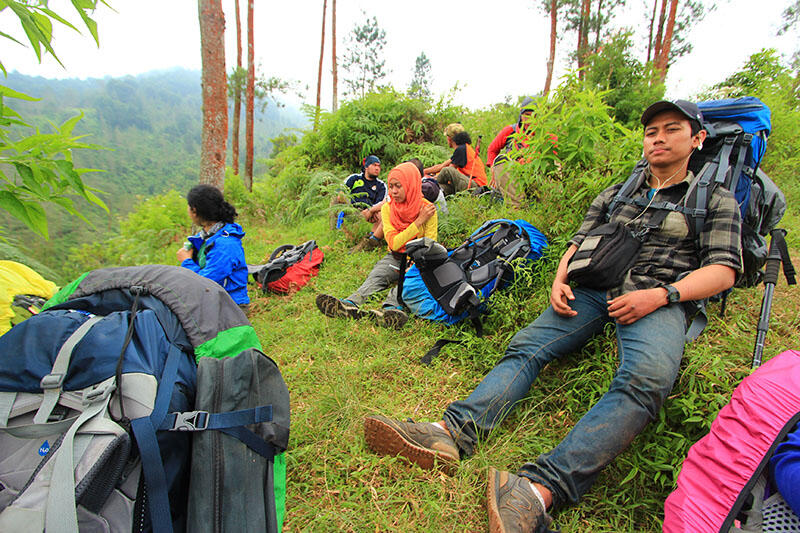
<point>406,216</point>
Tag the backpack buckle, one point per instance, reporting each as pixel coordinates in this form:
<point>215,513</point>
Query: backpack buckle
<point>52,381</point>
<point>190,421</point>
<point>99,392</point>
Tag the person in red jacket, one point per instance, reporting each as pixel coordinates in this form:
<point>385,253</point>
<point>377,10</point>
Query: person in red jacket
<point>512,137</point>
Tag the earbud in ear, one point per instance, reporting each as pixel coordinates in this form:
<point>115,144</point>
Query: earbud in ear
<point>700,147</point>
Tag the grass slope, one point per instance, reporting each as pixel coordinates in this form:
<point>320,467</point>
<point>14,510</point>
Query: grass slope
<point>340,371</point>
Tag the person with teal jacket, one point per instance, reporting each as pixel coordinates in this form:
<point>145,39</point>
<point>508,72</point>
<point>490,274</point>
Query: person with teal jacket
<point>216,252</point>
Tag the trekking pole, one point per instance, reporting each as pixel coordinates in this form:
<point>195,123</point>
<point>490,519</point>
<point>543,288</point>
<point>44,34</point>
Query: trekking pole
<point>778,253</point>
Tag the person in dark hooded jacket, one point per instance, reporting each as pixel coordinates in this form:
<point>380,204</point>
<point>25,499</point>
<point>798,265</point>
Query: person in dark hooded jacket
<point>216,252</point>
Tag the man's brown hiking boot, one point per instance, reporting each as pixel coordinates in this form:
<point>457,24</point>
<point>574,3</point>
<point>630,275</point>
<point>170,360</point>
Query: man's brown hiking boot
<point>419,443</point>
<point>394,318</point>
<point>333,307</point>
<point>513,506</point>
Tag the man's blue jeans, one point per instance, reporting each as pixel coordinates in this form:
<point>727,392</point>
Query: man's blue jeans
<point>650,352</point>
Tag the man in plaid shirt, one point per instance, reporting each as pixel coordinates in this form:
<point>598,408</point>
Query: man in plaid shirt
<point>674,266</point>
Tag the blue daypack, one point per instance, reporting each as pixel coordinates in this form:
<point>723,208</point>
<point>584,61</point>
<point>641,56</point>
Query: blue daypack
<point>738,129</point>
<point>449,286</point>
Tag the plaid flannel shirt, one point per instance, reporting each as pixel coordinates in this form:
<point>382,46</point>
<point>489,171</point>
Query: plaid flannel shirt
<point>671,250</point>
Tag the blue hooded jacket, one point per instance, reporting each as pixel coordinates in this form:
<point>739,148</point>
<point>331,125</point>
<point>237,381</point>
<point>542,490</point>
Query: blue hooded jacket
<point>221,258</point>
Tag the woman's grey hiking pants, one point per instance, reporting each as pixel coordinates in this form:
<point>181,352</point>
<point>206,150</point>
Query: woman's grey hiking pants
<point>650,352</point>
<point>384,274</point>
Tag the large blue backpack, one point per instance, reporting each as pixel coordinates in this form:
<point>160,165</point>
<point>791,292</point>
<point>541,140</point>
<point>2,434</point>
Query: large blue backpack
<point>115,393</point>
<point>449,286</point>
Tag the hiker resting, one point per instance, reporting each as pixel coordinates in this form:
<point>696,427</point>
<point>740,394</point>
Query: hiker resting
<point>406,216</point>
<point>651,322</point>
<point>431,190</point>
<point>367,193</point>
<point>216,252</point>
<point>510,139</point>
<point>465,169</point>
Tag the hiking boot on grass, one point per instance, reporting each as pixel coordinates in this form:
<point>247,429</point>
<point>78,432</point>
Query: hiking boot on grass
<point>335,308</point>
<point>422,443</point>
<point>513,506</point>
<point>372,243</point>
<point>394,318</point>
<point>360,245</point>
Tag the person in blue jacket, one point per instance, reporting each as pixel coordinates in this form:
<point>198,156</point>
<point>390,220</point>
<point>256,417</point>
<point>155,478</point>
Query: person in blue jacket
<point>785,468</point>
<point>216,252</point>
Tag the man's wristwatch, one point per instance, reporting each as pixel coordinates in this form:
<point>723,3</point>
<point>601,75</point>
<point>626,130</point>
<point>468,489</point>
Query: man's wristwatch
<point>673,295</point>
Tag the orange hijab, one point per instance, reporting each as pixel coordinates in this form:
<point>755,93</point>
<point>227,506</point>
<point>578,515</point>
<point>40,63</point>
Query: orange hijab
<point>402,214</point>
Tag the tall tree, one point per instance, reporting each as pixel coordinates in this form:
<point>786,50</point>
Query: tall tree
<point>250,96</point>
<point>553,10</point>
<point>215,102</point>
<point>650,34</point>
<point>237,91</point>
<point>662,60</point>
<point>583,36</point>
<point>688,14</point>
<point>319,72</point>
<point>364,61</point>
<point>334,62</point>
<point>420,83</point>
<point>585,17</point>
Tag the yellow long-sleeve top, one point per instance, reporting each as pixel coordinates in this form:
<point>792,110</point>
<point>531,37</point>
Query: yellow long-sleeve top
<point>397,239</point>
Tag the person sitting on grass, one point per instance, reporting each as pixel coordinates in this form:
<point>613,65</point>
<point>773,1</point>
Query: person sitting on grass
<point>465,169</point>
<point>407,216</point>
<point>367,193</point>
<point>430,187</point>
<point>216,252</point>
<point>650,320</point>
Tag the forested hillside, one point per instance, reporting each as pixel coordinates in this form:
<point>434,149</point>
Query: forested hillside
<point>149,127</point>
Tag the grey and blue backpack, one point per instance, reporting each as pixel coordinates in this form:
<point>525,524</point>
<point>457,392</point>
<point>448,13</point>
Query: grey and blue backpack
<point>139,400</point>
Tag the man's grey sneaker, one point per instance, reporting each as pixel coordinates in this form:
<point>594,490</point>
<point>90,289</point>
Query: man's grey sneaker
<point>394,318</point>
<point>513,506</point>
<point>419,443</point>
<point>336,308</point>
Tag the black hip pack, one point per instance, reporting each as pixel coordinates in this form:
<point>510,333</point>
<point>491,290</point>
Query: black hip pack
<point>608,252</point>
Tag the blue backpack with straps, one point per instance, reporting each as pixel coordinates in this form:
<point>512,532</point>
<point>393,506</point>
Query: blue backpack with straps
<point>99,408</point>
<point>738,130</point>
<point>449,286</point>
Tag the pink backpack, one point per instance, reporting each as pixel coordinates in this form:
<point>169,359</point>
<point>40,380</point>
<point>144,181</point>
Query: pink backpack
<point>725,467</point>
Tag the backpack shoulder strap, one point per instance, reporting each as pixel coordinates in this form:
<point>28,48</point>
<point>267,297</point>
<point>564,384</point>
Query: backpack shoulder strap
<point>52,382</point>
<point>630,185</point>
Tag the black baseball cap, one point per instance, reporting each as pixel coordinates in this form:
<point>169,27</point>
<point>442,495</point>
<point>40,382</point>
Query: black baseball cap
<point>684,107</point>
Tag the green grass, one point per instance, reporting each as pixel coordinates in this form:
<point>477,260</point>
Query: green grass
<point>339,371</point>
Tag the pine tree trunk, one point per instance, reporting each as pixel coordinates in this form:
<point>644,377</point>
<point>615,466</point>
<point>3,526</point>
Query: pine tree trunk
<point>334,62</point>
<point>215,93</point>
<point>250,95</point>
<point>583,36</point>
<point>237,92</point>
<point>650,36</point>
<point>553,34</point>
<point>663,59</point>
<point>660,32</point>
<point>598,27</point>
<point>319,72</point>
